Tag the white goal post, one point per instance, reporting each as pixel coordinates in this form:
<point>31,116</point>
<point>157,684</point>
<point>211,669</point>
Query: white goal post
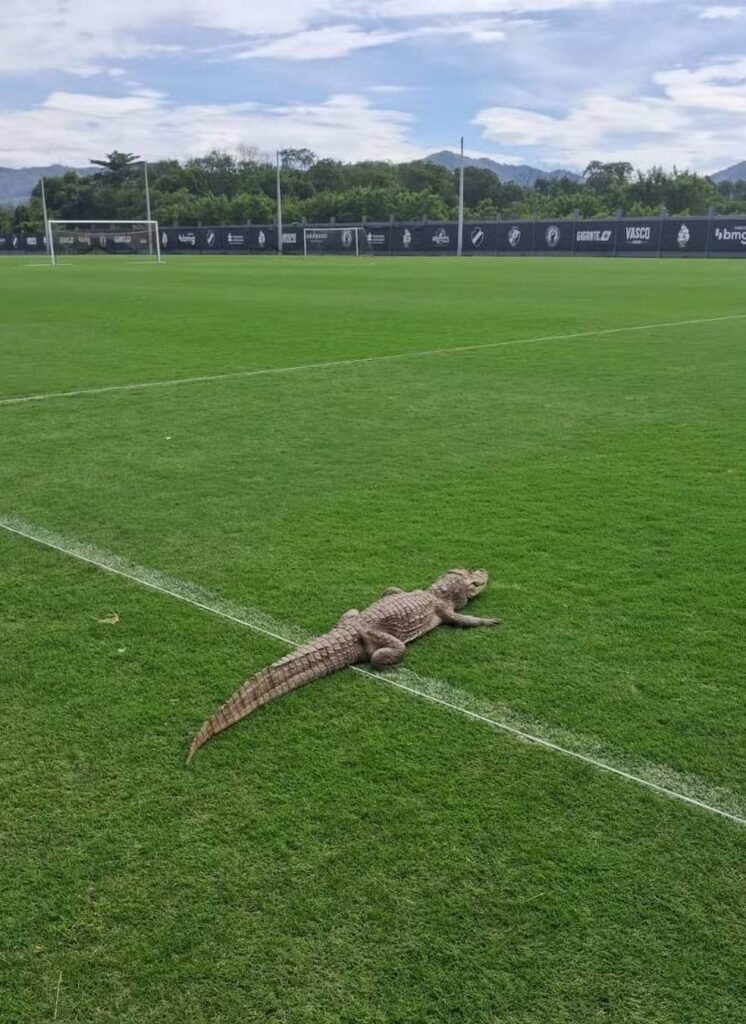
<point>138,238</point>
<point>349,240</point>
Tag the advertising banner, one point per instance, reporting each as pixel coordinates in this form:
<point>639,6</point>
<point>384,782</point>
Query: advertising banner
<point>212,240</point>
<point>683,236</point>
<point>515,236</point>
<point>480,238</point>
<point>6,243</point>
<point>181,240</point>
<point>553,236</point>
<point>235,239</point>
<point>594,236</point>
<point>728,236</point>
<point>292,239</point>
<point>378,237</point>
<point>32,243</point>
<point>409,238</point>
<point>440,238</point>
<point>639,237</point>
<point>261,239</point>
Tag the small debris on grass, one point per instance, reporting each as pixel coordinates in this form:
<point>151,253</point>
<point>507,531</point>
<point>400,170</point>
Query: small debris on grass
<point>111,620</point>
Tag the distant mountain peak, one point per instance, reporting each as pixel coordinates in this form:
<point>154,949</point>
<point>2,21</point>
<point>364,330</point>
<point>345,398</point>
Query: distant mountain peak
<point>736,172</point>
<point>16,183</point>
<point>521,174</point>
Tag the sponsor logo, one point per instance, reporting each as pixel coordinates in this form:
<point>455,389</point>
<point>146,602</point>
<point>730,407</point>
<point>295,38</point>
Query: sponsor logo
<point>118,240</point>
<point>235,238</point>
<point>737,234</point>
<point>164,239</point>
<point>683,236</point>
<point>514,236</point>
<point>376,239</point>
<point>261,239</point>
<point>31,240</point>
<point>313,235</point>
<point>210,239</point>
<point>406,238</point>
<point>15,241</point>
<point>187,237</point>
<point>3,241</point>
<point>477,237</point>
<point>67,239</point>
<point>593,236</point>
<point>552,236</point>
<point>441,237</point>
<point>347,239</point>
<point>289,238</point>
<point>84,239</point>
<point>102,240</point>
<point>638,234</point>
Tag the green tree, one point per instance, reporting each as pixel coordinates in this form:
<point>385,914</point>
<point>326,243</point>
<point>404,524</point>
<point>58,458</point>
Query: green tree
<point>118,165</point>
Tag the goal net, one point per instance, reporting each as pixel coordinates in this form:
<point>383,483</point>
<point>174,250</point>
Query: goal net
<point>137,239</point>
<point>344,241</point>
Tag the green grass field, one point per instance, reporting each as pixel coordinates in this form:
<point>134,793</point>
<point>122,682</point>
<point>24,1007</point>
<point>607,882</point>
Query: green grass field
<point>355,853</point>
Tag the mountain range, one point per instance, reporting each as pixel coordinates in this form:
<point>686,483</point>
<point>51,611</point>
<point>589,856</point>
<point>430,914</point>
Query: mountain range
<point>736,172</point>
<point>16,182</point>
<point>521,174</point>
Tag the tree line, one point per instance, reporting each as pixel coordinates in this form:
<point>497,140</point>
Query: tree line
<point>233,188</point>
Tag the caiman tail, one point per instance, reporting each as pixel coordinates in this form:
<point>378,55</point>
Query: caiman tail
<point>321,656</point>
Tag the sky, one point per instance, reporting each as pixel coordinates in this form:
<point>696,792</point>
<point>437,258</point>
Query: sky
<point>553,83</point>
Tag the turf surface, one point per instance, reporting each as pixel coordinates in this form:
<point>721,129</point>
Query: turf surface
<point>351,853</point>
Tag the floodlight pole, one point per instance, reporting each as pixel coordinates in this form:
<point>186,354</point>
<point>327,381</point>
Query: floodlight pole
<point>147,209</point>
<point>460,239</point>
<point>279,207</point>
<point>47,232</point>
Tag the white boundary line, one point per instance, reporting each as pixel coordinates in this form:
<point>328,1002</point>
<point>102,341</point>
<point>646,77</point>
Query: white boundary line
<point>192,595</point>
<point>363,359</point>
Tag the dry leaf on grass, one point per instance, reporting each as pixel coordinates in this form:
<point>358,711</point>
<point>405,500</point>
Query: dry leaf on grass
<point>112,619</point>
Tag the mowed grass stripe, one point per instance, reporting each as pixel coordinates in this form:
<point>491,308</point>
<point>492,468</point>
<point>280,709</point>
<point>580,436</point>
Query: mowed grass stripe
<point>595,333</point>
<point>435,691</point>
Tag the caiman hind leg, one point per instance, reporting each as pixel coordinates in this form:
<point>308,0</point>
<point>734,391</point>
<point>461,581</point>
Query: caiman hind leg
<point>348,616</point>
<point>382,648</point>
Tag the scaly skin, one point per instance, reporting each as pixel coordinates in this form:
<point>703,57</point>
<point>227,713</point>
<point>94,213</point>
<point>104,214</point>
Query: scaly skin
<point>378,634</point>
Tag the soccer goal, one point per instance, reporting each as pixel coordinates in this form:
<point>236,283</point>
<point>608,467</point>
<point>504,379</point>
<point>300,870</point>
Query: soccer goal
<point>345,241</point>
<point>138,239</point>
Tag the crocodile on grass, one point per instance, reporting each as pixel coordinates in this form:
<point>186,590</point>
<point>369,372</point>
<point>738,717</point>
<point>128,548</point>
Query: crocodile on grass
<point>378,634</point>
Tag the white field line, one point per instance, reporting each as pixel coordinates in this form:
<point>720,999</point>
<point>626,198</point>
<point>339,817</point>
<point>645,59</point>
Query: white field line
<point>362,360</point>
<point>699,794</point>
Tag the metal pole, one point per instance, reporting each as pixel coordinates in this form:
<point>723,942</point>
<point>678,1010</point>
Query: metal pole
<point>47,233</point>
<point>147,209</point>
<point>460,240</point>
<point>279,208</point>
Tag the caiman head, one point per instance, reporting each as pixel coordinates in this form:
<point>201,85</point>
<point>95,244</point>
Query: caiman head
<point>460,585</point>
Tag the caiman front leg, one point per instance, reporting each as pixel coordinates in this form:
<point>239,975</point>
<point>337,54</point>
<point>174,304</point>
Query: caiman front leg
<point>454,618</point>
<point>382,648</point>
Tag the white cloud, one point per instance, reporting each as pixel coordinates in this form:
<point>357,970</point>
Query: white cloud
<point>716,13</point>
<point>72,127</point>
<point>321,43</point>
<point>697,122</point>
<point>38,34</point>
